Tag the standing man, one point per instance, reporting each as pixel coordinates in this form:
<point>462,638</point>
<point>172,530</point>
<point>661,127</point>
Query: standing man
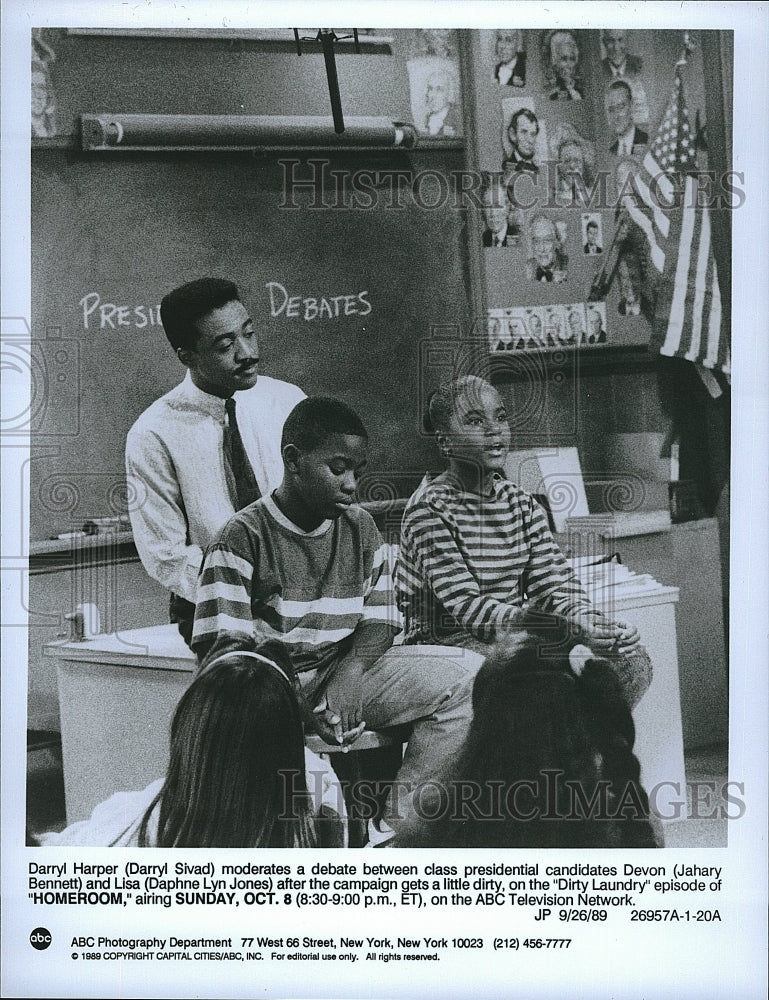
<point>208,447</point>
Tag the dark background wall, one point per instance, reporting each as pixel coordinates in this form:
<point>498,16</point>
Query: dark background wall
<point>124,229</point>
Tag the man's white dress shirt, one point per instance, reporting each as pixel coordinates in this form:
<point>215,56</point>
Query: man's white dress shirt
<point>177,483</point>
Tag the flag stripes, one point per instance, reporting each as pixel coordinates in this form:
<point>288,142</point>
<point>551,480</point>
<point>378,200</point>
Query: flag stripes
<point>669,208</point>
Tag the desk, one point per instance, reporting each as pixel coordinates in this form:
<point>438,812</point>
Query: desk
<point>103,570</point>
<point>687,557</point>
<point>117,694</point>
<point>659,734</point>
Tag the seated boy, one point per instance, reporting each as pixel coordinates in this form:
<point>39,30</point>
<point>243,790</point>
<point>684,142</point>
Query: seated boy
<point>306,566</point>
<point>476,549</point>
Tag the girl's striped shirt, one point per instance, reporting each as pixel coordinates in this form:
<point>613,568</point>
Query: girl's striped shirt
<point>468,562</point>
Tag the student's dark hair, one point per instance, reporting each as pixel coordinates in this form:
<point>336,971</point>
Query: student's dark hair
<point>316,418</point>
<point>443,401</point>
<point>236,773</point>
<point>184,306</point>
<point>592,224</point>
<point>526,113</point>
<point>548,760</point>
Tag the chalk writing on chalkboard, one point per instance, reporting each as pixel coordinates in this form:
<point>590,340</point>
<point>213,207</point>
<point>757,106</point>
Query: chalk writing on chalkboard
<point>111,316</point>
<point>309,307</point>
<point>178,216</point>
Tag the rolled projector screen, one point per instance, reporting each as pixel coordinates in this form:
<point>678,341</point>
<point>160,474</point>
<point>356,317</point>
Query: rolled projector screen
<point>118,131</point>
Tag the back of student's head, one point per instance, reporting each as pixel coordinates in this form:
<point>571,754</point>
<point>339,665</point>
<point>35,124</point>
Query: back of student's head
<point>527,725</point>
<point>236,773</point>
<point>561,721</point>
<point>443,401</point>
<point>315,419</point>
<point>184,306</point>
<point>549,754</point>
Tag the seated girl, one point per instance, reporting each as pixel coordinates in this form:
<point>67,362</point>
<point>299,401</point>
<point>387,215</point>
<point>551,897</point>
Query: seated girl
<point>548,761</point>
<point>476,550</point>
<point>238,774</point>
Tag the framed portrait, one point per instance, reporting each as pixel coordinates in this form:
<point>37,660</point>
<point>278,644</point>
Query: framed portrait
<point>595,330</point>
<point>507,56</point>
<point>435,96</point>
<point>592,233</point>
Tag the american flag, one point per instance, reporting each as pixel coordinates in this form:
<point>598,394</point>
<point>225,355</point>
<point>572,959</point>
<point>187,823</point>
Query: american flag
<point>687,321</point>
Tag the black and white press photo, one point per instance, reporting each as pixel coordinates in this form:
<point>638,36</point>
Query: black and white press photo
<point>381,547</point>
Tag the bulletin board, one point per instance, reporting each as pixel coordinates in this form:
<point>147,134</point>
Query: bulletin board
<point>530,306</point>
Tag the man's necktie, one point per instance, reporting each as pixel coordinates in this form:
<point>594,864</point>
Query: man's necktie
<point>544,274</point>
<point>240,479</point>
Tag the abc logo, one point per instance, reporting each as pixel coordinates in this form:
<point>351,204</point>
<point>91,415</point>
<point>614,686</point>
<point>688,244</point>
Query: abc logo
<point>40,938</point>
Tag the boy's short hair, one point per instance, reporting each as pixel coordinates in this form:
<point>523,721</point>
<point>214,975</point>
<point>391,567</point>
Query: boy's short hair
<point>184,306</point>
<point>316,418</point>
<point>443,401</point>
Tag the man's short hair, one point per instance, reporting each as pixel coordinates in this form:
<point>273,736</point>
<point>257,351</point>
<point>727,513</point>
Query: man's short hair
<point>316,418</point>
<point>620,85</point>
<point>526,113</point>
<point>184,306</point>
<point>559,39</point>
<point>592,224</point>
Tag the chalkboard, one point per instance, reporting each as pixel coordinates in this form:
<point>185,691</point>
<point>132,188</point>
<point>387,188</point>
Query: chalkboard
<point>344,296</point>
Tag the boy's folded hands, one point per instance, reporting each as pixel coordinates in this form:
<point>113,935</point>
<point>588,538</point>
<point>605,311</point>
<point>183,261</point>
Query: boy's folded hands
<point>344,698</point>
<point>342,725</point>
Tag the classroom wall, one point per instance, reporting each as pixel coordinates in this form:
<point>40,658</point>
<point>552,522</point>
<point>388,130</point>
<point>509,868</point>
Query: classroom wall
<point>129,228</point>
<point>123,229</point>
<point>666,401</point>
<point>215,75</point>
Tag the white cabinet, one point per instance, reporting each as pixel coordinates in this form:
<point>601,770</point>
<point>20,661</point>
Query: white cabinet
<point>117,695</point>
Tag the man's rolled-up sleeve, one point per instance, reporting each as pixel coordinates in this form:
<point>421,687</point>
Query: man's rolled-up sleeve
<point>157,515</point>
